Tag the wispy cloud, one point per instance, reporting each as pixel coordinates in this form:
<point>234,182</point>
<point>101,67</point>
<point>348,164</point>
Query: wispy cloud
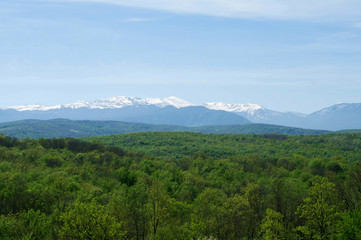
<point>270,9</point>
<point>358,25</point>
<point>136,19</point>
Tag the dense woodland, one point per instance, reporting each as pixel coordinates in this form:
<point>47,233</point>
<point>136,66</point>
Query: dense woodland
<point>181,186</point>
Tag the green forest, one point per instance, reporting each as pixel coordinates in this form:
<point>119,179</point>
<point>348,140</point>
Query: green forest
<point>172,185</point>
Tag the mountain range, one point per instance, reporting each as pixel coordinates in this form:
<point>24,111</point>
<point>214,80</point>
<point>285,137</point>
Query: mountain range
<point>176,111</point>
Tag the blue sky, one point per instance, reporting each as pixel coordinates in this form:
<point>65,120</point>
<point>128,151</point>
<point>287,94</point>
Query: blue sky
<point>286,55</point>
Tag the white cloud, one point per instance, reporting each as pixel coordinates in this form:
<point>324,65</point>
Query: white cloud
<point>270,9</point>
<point>136,19</point>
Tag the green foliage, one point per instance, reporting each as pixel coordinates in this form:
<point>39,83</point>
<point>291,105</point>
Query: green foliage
<point>350,225</point>
<point>158,203</point>
<point>290,151</point>
<point>320,211</point>
<point>206,211</point>
<point>25,225</point>
<point>129,205</point>
<point>181,186</point>
<point>272,227</point>
<point>89,221</point>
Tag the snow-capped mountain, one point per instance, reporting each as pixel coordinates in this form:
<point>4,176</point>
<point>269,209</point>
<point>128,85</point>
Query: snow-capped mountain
<point>176,111</point>
<point>336,117</point>
<point>34,107</point>
<point>170,110</point>
<point>340,107</point>
<point>250,109</point>
<point>110,103</point>
<point>259,114</point>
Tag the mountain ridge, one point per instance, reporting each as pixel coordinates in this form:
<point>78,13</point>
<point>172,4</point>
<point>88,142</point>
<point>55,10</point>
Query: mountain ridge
<point>113,102</point>
<point>177,111</point>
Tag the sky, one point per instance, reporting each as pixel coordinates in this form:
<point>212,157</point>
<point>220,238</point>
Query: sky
<point>286,55</point>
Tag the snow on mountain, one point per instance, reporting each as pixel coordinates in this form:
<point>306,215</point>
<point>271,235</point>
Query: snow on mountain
<point>258,114</point>
<point>248,108</point>
<point>35,107</point>
<point>339,116</point>
<point>114,102</point>
<point>336,108</point>
<point>169,101</point>
<point>252,112</point>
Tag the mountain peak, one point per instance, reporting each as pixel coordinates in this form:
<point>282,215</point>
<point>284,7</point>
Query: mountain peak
<point>113,102</point>
<point>34,107</point>
<point>337,108</point>
<point>229,107</point>
<point>168,101</point>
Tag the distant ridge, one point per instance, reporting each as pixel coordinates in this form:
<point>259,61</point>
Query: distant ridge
<point>109,103</point>
<point>337,117</point>
<point>58,128</point>
<point>170,111</point>
<point>177,111</point>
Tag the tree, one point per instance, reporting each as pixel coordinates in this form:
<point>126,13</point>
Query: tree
<point>89,221</point>
<point>320,211</point>
<point>207,213</point>
<point>272,227</point>
<point>236,216</point>
<point>350,225</point>
<point>29,225</point>
<point>130,206</point>
<point>158,202</point>
<point>253,194</point>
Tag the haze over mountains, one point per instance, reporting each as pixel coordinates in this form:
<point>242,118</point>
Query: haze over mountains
<point>176,111</point>
<point>61,128</point>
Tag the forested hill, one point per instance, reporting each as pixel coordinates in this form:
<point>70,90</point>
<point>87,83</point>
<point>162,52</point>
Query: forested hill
<point>58,128</point>
<point>179,145</point>
<point>266,186</point>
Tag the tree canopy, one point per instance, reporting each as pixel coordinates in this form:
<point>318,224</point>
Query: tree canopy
<point>181,186</point>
